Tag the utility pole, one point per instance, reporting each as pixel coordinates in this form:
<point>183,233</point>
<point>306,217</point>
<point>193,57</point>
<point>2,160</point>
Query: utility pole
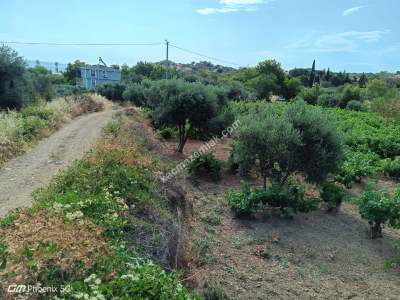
<point>167,61</point>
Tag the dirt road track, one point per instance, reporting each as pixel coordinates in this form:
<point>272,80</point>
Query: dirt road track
<point>22,175</point>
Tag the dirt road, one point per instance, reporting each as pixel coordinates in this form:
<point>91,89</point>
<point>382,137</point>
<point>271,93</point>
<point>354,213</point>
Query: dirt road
<point>22,175</point>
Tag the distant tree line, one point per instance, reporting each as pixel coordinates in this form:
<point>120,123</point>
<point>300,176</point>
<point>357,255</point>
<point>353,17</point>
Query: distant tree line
<point>20,85</point>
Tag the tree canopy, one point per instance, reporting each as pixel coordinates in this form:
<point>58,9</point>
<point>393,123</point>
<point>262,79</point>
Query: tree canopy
<point>298,140</point>
<point>185,105</point>
<point>12,68</point>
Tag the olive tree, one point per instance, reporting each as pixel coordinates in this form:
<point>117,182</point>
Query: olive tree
<point>320,151</point>
<point>268,139</point>
<point>185,105</point>
<point>269,79</point>
<point>297,140</point>
<point>292,87</point>
<point>135,94</point>
<point>73,71</point>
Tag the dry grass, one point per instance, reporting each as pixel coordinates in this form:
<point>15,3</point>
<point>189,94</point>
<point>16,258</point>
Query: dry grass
<point>88,104</point>
<point>73,244</point>
<point>128,156</point>
<point>13,127</point>
<point>10,128</point>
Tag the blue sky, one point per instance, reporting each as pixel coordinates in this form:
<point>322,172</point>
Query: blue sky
<point>352,35</point>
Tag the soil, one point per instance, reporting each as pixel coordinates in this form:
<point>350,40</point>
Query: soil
<point>24,174</point>
<point>313,256</point>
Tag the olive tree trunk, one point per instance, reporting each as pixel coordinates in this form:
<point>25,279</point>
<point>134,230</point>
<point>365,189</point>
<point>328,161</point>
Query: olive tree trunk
<point>183,136</point>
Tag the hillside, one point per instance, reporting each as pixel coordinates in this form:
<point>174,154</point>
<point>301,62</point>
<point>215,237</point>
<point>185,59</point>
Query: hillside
<point>216,183</point>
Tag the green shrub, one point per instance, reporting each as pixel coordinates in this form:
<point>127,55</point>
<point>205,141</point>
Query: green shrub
<point>35,119</point>
<point>39,112</point>
<point>377,88</point>
<point>328,100</point>
<point>135,93</point>
<point>31,127</point>
<point>333,195</point>
<point>166,133</point>
<point>134,278</point>
<point>242,202</point>
<point>348,93</point>
<point>205,165</point>
<point>392,167</point>
<point>39,83</point>
<point>112,92</point>
<point>236,91</point>
<point>379,208</point>
<point>291,88</point>
<point>354,105</point>
<point>310,95</point>
<point>309,205</point>
<point>63,90</point>
<point>289,199</point>
<point>358,165</point>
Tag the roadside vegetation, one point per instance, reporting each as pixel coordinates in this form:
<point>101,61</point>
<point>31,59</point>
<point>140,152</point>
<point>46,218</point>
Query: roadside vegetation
<point>105,221</point>
<point>20,130</point>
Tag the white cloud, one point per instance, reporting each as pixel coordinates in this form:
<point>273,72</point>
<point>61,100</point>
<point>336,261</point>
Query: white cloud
<point>230,6</point>
<point>240,2</point>
<point>350,11</point>
<point>368,36</point>
<point>347,41</point>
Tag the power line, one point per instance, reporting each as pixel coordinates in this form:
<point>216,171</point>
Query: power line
<point>122,44</point>
<point>81,44</point>
<point>205,56</point>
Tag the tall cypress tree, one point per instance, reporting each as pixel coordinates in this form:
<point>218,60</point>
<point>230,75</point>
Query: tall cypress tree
<point>347,78</point>
<point>312,75</point>
<point>363,80</point>
<point>328,76</point>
